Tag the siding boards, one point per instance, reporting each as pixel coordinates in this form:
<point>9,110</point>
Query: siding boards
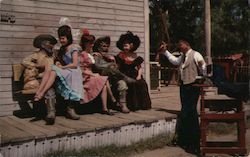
<point>34,17</point>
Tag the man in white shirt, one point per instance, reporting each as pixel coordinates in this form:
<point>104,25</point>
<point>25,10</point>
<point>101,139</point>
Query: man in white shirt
<point>191,65</point>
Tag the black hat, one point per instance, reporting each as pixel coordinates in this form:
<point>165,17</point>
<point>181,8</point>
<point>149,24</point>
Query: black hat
<point>105,39</point>
<point>43,37</point>
<point>130,38</point>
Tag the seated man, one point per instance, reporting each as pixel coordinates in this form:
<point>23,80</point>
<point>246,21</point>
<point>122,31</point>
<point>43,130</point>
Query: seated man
<point>105,65</point>
<point>34,68</point>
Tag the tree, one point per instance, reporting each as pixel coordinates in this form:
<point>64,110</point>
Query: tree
<point>184,18</point>
<point>230,26</point>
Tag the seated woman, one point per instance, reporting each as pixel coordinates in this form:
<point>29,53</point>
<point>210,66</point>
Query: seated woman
<point>130,64</point>
<point>68,73</point>
<point>93,83</point>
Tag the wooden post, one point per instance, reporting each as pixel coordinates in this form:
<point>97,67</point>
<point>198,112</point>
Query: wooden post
<point>208,36</point>
<point>146,44</point>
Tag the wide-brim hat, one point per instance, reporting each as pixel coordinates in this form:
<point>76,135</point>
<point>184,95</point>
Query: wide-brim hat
<point>43,37</point>
<point>97,44</point>
<point>130,38</point>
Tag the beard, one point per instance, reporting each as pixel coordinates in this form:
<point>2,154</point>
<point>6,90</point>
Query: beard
<point>49,51</point>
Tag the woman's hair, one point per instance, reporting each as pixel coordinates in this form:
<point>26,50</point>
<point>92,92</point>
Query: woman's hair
<point>86,38</point>
<point>64,30</point>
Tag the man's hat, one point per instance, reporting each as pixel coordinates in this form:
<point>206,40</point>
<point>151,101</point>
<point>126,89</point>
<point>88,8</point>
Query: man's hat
<point>105,39</point>
<point>130,38</point>
<point>43,37</point>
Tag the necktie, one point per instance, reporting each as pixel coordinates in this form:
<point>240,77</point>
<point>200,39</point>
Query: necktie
<point>184,58</point>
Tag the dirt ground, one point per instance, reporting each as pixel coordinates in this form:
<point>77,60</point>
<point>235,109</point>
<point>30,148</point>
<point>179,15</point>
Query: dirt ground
<point>178,152</point>
<point>157,98</point>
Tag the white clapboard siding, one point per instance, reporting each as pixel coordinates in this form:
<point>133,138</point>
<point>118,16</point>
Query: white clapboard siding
<point>34,17</point>
<point>120,136</point>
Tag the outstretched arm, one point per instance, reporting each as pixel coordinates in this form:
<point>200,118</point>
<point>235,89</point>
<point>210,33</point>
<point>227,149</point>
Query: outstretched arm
<point>174,60</point>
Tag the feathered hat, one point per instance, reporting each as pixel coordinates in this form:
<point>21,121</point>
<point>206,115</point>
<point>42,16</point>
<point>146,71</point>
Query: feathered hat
<point>130,38</point>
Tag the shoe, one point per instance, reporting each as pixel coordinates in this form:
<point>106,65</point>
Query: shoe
<point>192,150</point>
<point>38,97</point>
<point>71,114</point>
<point>107,112</point>
<point>51,111</point>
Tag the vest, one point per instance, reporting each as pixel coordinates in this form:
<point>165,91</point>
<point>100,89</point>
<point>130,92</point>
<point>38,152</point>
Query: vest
<point>189,70</point>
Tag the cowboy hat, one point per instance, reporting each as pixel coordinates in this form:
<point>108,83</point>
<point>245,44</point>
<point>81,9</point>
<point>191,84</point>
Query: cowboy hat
<point>130,38</point>
<point>43,37</point>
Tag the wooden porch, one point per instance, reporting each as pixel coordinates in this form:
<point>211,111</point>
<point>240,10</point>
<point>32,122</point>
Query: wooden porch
<point>20,137</point>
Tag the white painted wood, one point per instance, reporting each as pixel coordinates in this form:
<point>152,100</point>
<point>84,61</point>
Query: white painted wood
<point>33,17</point>
<point>124,135</point>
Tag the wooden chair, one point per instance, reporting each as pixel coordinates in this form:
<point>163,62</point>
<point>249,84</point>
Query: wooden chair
<point>223,104</point>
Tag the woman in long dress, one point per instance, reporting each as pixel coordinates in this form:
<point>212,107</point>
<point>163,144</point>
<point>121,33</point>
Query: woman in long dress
<point>66,74</point>
<point>93,83</point>
<point>130,64</point>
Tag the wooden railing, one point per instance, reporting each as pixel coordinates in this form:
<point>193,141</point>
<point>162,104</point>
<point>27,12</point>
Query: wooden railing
<point>240,74</point>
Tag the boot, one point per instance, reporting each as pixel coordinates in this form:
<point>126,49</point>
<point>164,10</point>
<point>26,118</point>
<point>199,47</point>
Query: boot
<point>51,112</point>
<point>123,102</point>
<point>71,112</point>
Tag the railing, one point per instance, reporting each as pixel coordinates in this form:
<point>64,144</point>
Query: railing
<point>240,74</point>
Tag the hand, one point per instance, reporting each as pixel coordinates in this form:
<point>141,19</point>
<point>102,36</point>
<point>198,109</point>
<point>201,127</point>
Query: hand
<point>58,64</point>
<point>138,77</point>
<point>112,58</point>
<point>162,48</point>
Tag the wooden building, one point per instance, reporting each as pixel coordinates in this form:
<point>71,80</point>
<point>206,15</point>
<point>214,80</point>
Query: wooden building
<point>22,20</point>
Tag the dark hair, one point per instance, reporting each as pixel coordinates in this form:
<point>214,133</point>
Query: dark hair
<point>100,41</point>
<point>86,38</point>
<point>64,30</point>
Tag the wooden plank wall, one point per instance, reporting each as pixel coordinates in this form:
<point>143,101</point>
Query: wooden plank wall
<point>30,18</point>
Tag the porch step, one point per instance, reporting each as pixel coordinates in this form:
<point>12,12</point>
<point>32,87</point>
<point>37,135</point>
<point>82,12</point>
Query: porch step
<point>211,91</point>
<point>21,138</point>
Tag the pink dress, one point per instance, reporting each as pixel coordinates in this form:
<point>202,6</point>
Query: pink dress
<point>92,85</point>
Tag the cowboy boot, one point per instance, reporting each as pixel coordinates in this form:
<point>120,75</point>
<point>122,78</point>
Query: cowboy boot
<point>51,112</point>
<point>71,112</point>
<point>123,102</point>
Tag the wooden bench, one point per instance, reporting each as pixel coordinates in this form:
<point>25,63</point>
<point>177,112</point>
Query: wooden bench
<point>23,97</point>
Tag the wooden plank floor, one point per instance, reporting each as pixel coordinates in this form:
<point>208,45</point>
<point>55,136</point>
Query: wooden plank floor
<point>13,129</point>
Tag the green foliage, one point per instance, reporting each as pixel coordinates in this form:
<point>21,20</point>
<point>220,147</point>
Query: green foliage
<point>184,19</point>
<point>229,23</point>
<point>229,26</point>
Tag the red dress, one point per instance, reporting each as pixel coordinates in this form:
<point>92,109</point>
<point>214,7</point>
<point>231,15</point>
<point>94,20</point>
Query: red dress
<point>92,85</point>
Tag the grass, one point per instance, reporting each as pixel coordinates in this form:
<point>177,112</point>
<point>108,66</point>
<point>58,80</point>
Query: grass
<point>150,144</point>
<point>115,151</point>
<point>225,128</point>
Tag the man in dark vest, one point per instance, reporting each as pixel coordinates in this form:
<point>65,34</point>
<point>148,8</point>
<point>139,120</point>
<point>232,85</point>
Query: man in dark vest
<point>191,65</point>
